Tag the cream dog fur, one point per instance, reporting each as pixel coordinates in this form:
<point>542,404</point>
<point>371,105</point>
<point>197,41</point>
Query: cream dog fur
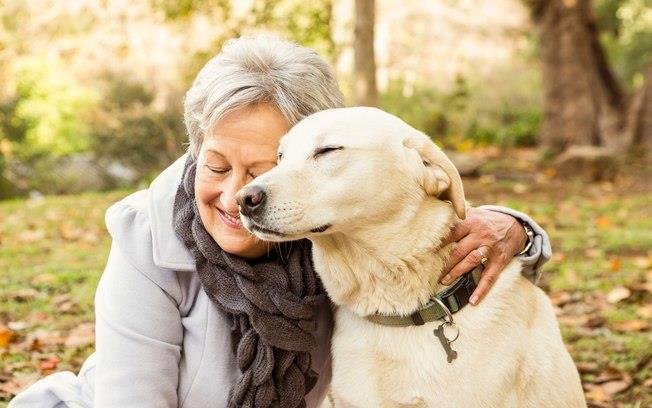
<point>375,197</point>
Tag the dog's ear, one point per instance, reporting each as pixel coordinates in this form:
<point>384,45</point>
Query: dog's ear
<point>437,174</point>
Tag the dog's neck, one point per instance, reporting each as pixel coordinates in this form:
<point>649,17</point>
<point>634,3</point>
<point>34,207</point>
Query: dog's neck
<point>392,267</point>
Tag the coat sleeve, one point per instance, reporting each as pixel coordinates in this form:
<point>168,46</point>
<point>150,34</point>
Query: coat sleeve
<point>540,251</point>
<point>138,331</point>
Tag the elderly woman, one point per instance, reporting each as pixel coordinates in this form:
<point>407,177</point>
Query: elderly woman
<point>194,311</point>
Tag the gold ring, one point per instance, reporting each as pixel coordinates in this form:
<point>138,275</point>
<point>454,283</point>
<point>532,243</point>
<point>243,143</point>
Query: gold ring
<point>484,260</point>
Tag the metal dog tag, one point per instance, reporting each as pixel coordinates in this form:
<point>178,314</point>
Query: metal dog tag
<point>446,344</point>
<point>439,332</point>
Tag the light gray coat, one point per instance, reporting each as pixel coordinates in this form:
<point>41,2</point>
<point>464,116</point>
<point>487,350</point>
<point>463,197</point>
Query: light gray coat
<point>160,342</point>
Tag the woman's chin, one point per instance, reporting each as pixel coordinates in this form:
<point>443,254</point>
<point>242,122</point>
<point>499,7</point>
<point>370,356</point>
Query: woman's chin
<point>239,242</point>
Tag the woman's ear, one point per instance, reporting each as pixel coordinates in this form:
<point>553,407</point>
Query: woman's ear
<point>437,174</point>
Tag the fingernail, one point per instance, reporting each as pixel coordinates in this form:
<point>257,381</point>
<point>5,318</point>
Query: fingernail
<point>446,280</point>
<point>474,300</point>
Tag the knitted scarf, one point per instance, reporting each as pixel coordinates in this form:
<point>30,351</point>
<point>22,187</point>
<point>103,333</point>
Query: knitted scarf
<point>270,302</point>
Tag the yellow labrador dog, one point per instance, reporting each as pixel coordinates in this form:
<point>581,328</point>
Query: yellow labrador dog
<point>375,197</point>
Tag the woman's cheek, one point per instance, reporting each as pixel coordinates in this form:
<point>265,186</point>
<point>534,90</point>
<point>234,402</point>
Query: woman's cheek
<point>206,189</point>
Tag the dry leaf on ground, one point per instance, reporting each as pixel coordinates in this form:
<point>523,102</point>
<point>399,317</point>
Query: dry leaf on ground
<point>81,336</point>
<point>6,335</point>
<point>19,383</point>
<point>617,294</point>
<point>43,279</point>
<point>631,326</point>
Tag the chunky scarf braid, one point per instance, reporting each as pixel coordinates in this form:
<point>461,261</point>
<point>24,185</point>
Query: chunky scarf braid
<point>271,305</point>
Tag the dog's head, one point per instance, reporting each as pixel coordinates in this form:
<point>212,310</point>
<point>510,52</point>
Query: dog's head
<point>343,169</point>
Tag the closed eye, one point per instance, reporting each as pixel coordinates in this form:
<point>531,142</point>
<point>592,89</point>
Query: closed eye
<point>325,149</point>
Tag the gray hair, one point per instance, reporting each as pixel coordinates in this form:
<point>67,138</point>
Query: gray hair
<point>251,70</point>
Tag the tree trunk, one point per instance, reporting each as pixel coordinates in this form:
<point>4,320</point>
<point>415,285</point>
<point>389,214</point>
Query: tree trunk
<point>365,92</point>
<point>583,102</point>
<point>641,117</point>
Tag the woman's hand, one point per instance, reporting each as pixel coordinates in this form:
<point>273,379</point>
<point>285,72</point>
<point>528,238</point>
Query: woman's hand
<point>486,234</point>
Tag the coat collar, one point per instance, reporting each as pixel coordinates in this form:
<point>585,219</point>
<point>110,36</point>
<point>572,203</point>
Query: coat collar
<point>168,250</point>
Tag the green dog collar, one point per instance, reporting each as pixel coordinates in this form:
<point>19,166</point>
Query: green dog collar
<point>455,297</point>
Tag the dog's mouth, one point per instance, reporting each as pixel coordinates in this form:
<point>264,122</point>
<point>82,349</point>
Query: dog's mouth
<point>267,233</point>
<point>257,228</point>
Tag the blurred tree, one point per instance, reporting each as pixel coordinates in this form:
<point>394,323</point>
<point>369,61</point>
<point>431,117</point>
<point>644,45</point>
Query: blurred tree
<point>365,91</point>
<point>308,23</point>
<point>626,35</point>
<point>584,102</point>
<point>130,130</point>
<point>46,112</point>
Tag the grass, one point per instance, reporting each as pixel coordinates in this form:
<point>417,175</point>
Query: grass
<point>53,250</point>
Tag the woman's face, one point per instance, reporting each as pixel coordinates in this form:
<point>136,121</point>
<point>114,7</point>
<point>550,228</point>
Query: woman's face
<point>242,146</point>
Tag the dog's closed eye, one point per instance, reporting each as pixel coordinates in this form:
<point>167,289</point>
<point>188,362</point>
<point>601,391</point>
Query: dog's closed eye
<point>325,149</point>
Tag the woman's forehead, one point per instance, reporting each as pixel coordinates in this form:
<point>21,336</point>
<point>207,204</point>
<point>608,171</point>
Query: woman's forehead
<point>262,124</point>
<point>243,148</point>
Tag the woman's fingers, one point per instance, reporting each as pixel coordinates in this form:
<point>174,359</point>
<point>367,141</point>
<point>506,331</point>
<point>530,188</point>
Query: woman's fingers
<point>488,278</point>
<point>459,230</point>
<point>466,256</point>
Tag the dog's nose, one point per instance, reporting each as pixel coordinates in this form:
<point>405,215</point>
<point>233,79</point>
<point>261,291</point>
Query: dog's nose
<point>251,199</point>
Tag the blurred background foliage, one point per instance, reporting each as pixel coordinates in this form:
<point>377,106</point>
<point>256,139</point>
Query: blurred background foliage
<point>98,85</point>
<point>626,33</point>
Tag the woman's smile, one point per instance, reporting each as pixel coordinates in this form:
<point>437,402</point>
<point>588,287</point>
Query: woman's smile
<point>229,220</point>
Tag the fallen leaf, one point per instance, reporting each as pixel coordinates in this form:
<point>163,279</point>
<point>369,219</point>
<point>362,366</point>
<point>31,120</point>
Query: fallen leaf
<point>50,363</point>
<point>643,287</point>
<point>593,253</point>
<point>586,367</point>
<point>603,222</point>
<point>42,338</point>
<point>560,298</point>
<point>614,264</point>
<point>17,384</point>
<point>68,232</point>
<point>520,188</point>
<point>609,374</point>
<point>614,387</point>
<point>91,237</point>
<point>596,393</point>
<point>617,294</point>
<point>43,279</point>
<point>16,326</point>
<point>559,256</point>
<point>571,276</point>
<point>6,335</point>
<point>647,383</point>
<point>643,262</point>
<point>31,236</point>
<point>23,295</point>
<point>631,325</point>
<point>645,311</point>
<point>81,336</point>
<point>487,179</point>
<point>573,320</point>
<point>595,321</point>
<point>65,304</point>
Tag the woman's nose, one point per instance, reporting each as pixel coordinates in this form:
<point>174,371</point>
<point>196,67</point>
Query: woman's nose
<point>228,196</point>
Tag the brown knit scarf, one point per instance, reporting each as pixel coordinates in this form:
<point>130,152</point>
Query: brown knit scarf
<point>271,303</point>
